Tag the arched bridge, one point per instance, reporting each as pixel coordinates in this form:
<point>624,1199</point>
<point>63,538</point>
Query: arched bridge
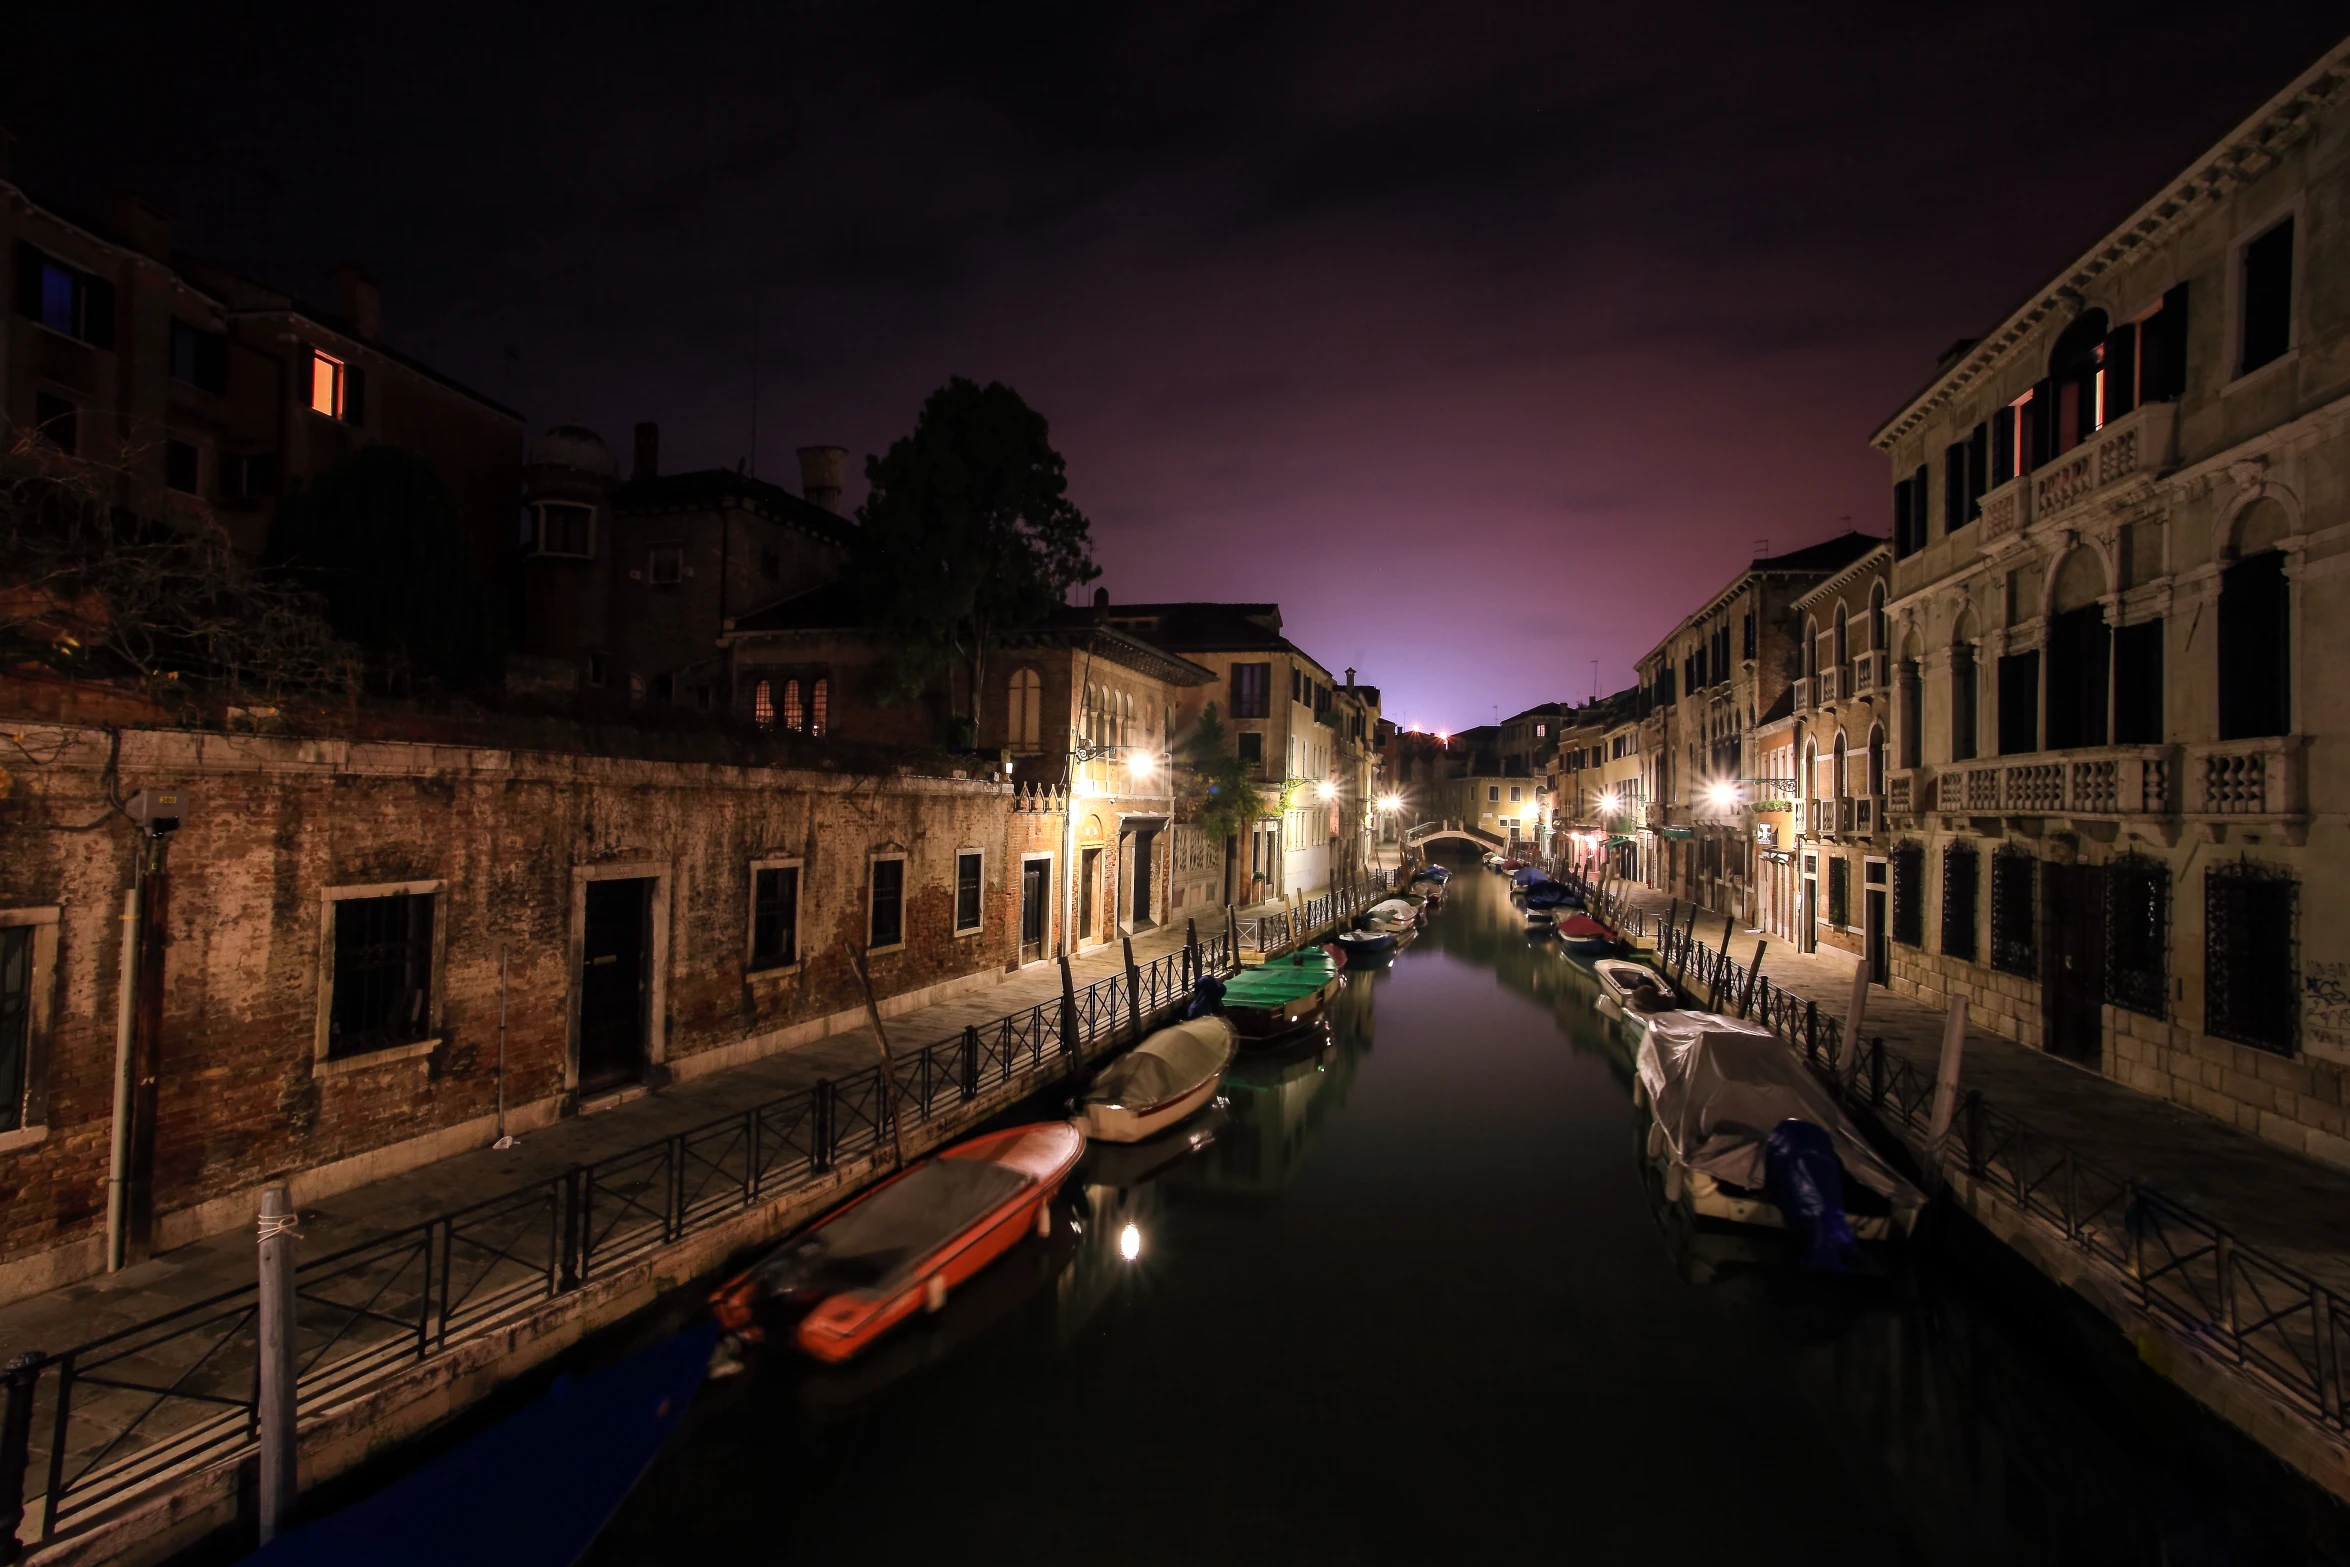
<point>1425,833</point>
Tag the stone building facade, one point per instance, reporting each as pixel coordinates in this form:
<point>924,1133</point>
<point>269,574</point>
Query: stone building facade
<point>2122,529</point>
<point>209,396</point>
<point>355,944</point>
<point>1842,712</point>
<point>1707,686</point>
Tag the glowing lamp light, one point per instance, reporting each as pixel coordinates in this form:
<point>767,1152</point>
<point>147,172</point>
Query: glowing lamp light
<point>1130,1242</point>
<point>1326,791</point>
<point>1391,802</point>
<point>1141,763</point>
<point>1722,794</point>
<point>1444,737</point>
<point>1609,804</point>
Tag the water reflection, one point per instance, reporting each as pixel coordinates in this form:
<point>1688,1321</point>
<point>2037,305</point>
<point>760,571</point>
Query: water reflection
<point>1424,1303</point>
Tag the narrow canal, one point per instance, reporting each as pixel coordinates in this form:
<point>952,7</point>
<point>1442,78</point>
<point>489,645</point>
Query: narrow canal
<point>1411,1299</point>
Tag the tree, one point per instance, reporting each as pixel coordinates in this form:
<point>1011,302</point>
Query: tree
<point>379,539</point>
<point>1224,798</point>
<point>968,535</point>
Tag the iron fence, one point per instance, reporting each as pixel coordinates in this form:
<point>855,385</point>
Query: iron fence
<point>109,1417</point>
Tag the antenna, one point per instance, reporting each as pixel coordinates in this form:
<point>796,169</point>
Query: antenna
<point>1595,680</point>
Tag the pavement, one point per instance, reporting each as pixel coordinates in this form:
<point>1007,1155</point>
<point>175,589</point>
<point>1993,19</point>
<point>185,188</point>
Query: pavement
<point>2288,1205</point>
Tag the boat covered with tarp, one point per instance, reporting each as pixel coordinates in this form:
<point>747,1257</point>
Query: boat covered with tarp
<point>1389,914</point>
<point>900,1247</point>
<point>1743,1132</point>
<point>1159,1082</point>
<point>1550,895</point>
<point>1582,933</point>
<point>1275,996</point>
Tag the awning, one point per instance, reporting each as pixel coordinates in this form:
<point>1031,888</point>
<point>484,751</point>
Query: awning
<point>1618,840</point>
<point>1675,832</point>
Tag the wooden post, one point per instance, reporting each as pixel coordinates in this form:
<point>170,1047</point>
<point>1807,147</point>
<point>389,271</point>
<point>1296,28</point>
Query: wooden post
<point>1070,1043</point>
<point>1133,989</point>
<point>1856,1011</point>
<point>1946,1082</point>
<point>1664,935</point>
<point>1688,941</point>
<point>1191,961</point>
<point>22,1376</point>
<point>274,1413</point>
<point>889,1070</point>
<point>1753,978</point>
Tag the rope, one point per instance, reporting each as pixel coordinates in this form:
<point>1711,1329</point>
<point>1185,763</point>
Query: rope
<point>275,1224</point>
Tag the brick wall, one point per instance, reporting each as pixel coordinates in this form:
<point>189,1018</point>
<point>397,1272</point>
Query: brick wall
<point>273,823</point>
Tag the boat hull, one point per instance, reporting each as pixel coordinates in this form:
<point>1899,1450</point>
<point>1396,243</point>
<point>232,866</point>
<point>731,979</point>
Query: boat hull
<point>1124,1124</point>
<point>1260,1023</point>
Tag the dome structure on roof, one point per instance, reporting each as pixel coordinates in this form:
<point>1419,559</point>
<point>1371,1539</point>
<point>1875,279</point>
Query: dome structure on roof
<point>575,446</point>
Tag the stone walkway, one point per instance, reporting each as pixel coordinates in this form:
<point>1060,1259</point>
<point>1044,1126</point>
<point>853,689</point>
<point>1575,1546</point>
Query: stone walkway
<point>2286,1204</point>
<point>80,1312</point>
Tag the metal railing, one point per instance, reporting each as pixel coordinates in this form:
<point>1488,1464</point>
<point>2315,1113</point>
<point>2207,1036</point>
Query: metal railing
<point>93,1425</point>
<point>1277,930</point>
<point>2271,1321</point>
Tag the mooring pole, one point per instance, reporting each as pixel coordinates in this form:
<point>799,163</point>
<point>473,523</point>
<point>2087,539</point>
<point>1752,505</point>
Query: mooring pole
<point>1753,978</point>
<point>889,1066</point>
<point>1070,1043</point>
<point>275,1414</point>
<point>1133,989</point>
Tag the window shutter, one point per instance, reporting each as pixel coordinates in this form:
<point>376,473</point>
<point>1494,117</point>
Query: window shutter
<point>1954,496</point>
<point>97,312</point>
<point>2166,353</point>
<point>1901,516</point>
<point>354,394</point>
<point>1978,470</point>
<point>2121,370</point>
<point>2041,412</point>
<point>212,362</point>
<point>2002,446</point>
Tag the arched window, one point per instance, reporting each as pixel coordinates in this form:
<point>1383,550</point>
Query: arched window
<point>820,705</point>
<point>1024,709</point>
<point>1810,651</point>
<point>1811,770</point>
<point>795,718</point>
<point>1843,643</point>
<point>763,705</point>
<point>1877,760</point>
<point>1837,764</point>
<point>1877,643</point>
<point>2076,374</point>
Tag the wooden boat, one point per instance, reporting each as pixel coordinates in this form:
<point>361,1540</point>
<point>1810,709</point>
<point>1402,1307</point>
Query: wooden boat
<point>1273,998</point>
<point>1390,914</point>
<point>1366,947</point>
<point>903,1245</point>
<point>1620,979</point>
<point>1158,1082</point>
<point>1742,1132</point>
<point>1582,933</point>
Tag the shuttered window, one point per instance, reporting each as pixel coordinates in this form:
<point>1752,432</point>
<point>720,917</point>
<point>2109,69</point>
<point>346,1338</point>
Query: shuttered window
<point>2137,934</point>
<point>2015,945</point>
<point>2252,960</point>
<point>1961,866</point>
<point>1909,894</point>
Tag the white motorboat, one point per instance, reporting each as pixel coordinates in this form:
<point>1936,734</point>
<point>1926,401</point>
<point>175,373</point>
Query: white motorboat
<point>1391,914</point>
<point>1158,1082</point>
<point>1742,1132</point>
<point>1620,978</point>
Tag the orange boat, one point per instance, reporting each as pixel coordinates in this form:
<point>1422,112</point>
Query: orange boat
<point>903,1246</point>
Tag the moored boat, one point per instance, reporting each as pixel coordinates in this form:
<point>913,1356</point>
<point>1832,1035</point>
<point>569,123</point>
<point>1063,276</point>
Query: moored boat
<point>1364,948</point>
<point>1622,983</point>
<point>1275,997</point>
<point>1159,1082</point>
<point>1390,913</point>
<point>1743,1132</point>
<point>903,1245</point>
<point>1582,933</point>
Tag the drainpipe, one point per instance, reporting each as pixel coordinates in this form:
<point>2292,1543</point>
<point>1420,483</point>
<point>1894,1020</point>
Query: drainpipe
<point>125,1021</point>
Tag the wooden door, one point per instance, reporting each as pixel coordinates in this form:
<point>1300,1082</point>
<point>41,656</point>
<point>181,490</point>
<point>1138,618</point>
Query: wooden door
<point>1032,909</point>
<point>2072,962</point>
<point>613,984</point>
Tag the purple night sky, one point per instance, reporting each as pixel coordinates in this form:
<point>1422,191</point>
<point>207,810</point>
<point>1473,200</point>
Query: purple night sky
<point>1486,340</point>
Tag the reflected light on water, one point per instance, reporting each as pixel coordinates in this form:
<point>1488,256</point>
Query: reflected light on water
<point>1130,1242</point>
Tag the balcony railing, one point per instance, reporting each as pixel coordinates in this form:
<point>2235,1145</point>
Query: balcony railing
<point>1854,816</point>
<point>1868,673</point>
<point>2248,778</point>
<point>2113,781</point>
<point>1802,692</point>
<point>2136,446</point>
<point>1829,683</point>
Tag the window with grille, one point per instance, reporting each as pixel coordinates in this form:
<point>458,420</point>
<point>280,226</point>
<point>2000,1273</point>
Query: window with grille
<point>2015,939</point>
<point>889,903</point>
<point>1909,894</point>
<point>1839,890</point>
<point>2137,934</point>
<point>382,973</point>
<point>795,717</point>
<point>1961,868</point>
<point>762,704</point>
<point>2252,958</point>
<point>819,705</point>
<point>969,869</point>
<point>775,916</point>
<point>16,1021</point>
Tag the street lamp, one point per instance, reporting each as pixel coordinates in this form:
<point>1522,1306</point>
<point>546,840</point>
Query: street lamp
<point>1326,791</point>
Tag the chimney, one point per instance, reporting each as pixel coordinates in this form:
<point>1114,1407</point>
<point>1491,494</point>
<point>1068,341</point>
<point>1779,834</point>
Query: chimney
<point>648,451</point>
<point>823,471</point>
<point>1350,679</point>
<point>1101,604</point>
<point>142,225</point>
<point>358,303</point>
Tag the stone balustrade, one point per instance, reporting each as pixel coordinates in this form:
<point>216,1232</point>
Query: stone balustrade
<point>2135,446</point>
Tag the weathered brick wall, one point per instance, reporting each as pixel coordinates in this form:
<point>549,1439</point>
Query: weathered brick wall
<point>273,823</point>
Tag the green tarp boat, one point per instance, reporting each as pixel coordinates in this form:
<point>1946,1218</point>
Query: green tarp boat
<point>1278,995</point>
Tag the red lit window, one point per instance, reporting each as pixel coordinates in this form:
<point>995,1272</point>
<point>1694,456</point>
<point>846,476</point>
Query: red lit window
<point>763,705</point>
<point>822,701</point>
<point>794,718</point>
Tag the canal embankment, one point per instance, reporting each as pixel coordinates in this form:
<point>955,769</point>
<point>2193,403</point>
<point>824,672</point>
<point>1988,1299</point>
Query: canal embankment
<point>422,1295</point>
<point>2224,1258</point>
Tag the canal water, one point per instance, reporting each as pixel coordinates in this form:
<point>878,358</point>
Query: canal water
<point>1411,1298</point>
